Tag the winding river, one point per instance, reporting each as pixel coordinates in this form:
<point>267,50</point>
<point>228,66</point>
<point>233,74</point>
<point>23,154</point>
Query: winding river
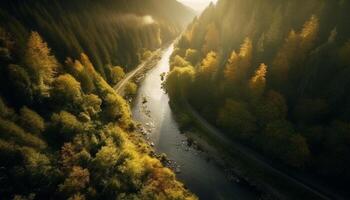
<point>201,176</point>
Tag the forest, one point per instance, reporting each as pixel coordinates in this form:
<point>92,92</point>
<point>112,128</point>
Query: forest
<point>110,32</point>
<point>64,131</point>
<point>273,75</point>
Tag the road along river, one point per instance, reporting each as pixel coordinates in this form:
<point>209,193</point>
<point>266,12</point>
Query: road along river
<point>203,177</point>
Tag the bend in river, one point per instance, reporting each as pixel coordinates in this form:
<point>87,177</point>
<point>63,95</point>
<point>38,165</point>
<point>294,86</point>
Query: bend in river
<point>204,178</point>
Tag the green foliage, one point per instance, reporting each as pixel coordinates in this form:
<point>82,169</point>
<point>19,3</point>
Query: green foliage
<point>12,132</point>
<point>42,64</point>
<point>178,81</point>
<point>178,61</point>
<point>236,117</point>
<point>130,89</point>
<point>117,74</point>
<point>92,104</point>
<point>287,105</point>
<point>192,56</point>
<point>66,89</point>
<point>238,64</point>
<point>77,180</point>
<point>31,121</point>
<point>37,163</point>
<point>311,110</point>
<point>117,109</point>
<point>86,149</point>
<point>273,107</point>
<point>257,83</point>
<point>5,111</point>
<point>284,143</point>
<point>76,27</point>
<point>66,124</point>
<point>83,73</point>
<point>20,83</point>
<point>147,54</point>
<point>208,67</point>
<point>106,157</point>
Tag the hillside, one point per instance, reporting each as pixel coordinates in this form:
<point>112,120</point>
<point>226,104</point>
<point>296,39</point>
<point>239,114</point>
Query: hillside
<point>273,75</point>
<point>110,32</point>
<point>64,132</point>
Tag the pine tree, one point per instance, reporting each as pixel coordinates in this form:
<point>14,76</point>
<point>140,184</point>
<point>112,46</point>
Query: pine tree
<point>42,64</point>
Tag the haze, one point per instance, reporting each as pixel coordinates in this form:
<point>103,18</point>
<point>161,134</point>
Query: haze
<point>197,5</point>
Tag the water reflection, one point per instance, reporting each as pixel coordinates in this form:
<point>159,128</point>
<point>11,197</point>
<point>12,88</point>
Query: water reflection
<point>203,178</point>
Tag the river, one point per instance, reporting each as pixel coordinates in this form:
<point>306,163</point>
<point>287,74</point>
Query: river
<point>202,177</point>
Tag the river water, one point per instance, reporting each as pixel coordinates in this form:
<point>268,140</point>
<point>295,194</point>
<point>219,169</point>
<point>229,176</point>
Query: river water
<point>201,176</point>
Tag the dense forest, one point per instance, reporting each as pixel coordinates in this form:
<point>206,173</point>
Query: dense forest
<point>64,132</point>
<point>273,75</point>
<point>110,32</point>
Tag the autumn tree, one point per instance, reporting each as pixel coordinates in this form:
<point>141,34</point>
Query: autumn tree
<point>84,75</point>
<point>285,144</point>
<point>31,121</point>
<point>192,56</point>
<point>130,89</point>
<point>257,83</point>
<point>212,39</point>
<point>92,104</point>
<point>20,83</point>
<point>66,124</point>
<point>14,133</point>
<point>272,107</point>
<point>77,180</point>
<point>238,64</point>
<point>178,81</point>
<point>209,66</point>
<point>178,61</point>
<point>67,89</point>
<point>42,64</point>
<point>5,111</point>
<point>117,74</point>
<point>294,50</point>
<point>235,117</point>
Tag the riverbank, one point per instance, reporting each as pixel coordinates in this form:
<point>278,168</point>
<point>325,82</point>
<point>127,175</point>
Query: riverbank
<point>200,175</point>
<point>236,168</point>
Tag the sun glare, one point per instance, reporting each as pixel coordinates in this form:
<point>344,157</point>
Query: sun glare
<point>197,5</point>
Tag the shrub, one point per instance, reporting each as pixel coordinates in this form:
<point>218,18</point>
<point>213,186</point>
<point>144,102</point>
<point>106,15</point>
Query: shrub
<point>130,89</point>
<point>117,74</point>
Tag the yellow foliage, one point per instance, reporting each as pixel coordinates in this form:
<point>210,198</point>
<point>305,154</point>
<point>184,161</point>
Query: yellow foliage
<point>295,48</point>
<point>238,64</point>
<point>178,80</point>
<point>77,180</point>
<point>5,111</point>
<point>258,82</point>
<point>209,65</point>
<point>192,56</point>
<point>32,121</point>
<point>11,132</point>
<point>40,61</point>
<point>107,156</point>
<point>212,39</point>
<point>130,89</point>
<point>68,88</point>
<point>117,74</point>
<point>67,123</point>
<point>178,61</point>
<point>84,59</point>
